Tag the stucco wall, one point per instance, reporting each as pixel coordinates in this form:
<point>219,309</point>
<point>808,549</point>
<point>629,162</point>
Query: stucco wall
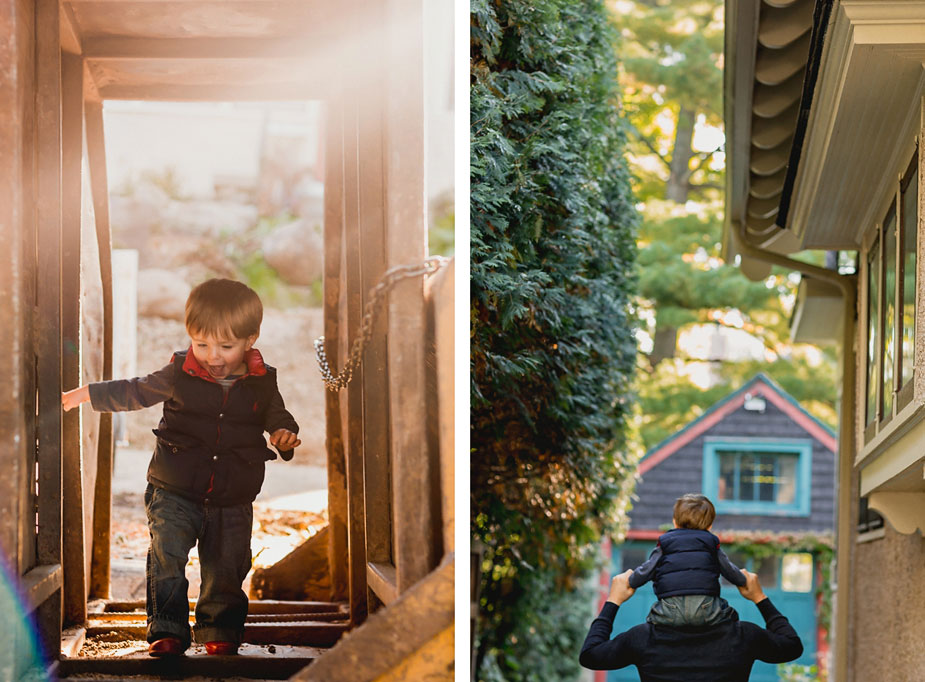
<point>889,593</point>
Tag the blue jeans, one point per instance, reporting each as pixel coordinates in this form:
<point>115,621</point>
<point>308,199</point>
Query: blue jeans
<point>224,536</point>
<point>691,609</point>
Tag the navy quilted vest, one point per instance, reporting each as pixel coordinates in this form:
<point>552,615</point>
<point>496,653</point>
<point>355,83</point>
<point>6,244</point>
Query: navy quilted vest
<point>210,446</point>
<point>688,565</point>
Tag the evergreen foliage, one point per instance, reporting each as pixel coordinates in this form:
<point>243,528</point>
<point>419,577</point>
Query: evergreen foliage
<point>552,343</point>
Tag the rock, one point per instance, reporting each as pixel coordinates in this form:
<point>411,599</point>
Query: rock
<point>296,252</point>
<point>212,218</point>
<point>161,293</point>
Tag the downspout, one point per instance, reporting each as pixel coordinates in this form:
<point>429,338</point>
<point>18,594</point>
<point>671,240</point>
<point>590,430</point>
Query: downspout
<point>846,500</point>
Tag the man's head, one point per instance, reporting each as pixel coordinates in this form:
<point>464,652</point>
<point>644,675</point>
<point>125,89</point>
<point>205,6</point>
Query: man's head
<point>223,320</point>
<point>694,510</point>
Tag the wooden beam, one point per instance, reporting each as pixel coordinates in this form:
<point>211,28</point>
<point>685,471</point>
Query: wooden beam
<point>393,634</point>
<point>40,583</point>
<point>439,292</point>
<point>255,606</point>
<point>70,31</point>
<point>319,634</point>
<point>72,640</point>
<point>141,616</point>
<point>102,503</point>
<point>381,580</point>
<point>415,479</point>
<point>91,89</point>
<point>374,370</point>
<point>352,406</point>
<point>75,591</point>
<point>296,90</point>
<point>333,254</point>
<point>105,48</point>
<point>17,297</point>
<point>47,322</point>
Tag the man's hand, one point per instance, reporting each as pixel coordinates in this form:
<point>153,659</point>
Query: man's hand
<point>752,590</point>
<point>620,589</point>
<point>72,399</point>
<point>284,439</point>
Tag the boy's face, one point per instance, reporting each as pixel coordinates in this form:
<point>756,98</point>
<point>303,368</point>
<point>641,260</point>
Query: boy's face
<point>221,356</point>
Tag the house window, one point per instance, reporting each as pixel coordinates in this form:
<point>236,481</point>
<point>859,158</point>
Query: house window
<point>891,287</point>
<point>753,476</point>
<point>868,519</point>
<point>797,572</point>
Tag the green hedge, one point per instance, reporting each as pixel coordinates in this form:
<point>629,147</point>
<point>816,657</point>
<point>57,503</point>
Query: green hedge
<point>552,340</point>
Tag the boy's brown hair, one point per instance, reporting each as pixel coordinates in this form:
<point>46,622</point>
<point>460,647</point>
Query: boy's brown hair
<point>694,511</point>
<point>223,307</point>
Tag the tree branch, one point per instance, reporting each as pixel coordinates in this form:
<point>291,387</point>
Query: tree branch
<point>648,143</point>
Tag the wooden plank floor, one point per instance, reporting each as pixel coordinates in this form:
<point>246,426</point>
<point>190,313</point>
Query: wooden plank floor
<point>252,661</point>
<point>280,638</point>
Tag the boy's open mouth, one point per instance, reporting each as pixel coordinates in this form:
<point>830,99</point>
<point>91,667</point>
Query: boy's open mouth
<point>217,371</point>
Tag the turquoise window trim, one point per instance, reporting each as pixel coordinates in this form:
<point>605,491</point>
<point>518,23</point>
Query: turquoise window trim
<point>802,448</point>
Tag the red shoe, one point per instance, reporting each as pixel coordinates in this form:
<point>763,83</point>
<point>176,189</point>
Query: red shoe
<point>221,648</point>
<point>167,646</point>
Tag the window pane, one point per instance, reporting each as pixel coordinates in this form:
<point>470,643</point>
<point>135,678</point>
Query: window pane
<point>873,316</point>
<point>889,308</point>
<point>767,570</point>
<point>766,478</point>
<point>797,572</point>
<point>787,480</point>
<point>727,472</point>
<point>910,201</point>
<point>748,468</point>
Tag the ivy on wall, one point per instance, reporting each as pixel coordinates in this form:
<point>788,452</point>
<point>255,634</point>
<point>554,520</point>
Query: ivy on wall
<point>763,545</point>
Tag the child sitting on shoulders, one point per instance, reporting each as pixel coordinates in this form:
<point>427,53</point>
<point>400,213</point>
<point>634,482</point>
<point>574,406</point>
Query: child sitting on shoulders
<point>685,567</point>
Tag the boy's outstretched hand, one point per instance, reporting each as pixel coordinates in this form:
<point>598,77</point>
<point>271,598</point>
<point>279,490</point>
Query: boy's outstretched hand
<point>72,399</point>
<point>752,589</point>
<point>284,439</point>
<point>620,589</point>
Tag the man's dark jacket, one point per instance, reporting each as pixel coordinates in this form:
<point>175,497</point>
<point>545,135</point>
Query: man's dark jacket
<point>716,653</point>
<point>210,445</point>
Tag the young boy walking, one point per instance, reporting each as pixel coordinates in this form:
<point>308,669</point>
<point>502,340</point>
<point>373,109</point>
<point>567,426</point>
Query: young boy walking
<point>208,465</point>
<point>685,567</point>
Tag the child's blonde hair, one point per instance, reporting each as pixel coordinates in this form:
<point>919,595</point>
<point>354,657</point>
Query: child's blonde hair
<point>223,307</point>
<point>694,510</point>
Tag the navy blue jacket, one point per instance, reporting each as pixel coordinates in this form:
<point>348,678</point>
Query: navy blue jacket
<point>686,561</point>
<point>716,653</point>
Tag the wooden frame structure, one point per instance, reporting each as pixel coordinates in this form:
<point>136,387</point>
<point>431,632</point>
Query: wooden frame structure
<point>389,433</point>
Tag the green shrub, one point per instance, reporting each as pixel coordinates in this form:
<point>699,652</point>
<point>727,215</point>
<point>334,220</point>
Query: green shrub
<point>552,346</point>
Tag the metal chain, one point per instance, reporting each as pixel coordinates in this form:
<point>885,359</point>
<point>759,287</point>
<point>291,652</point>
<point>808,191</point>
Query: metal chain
<point>388,280</point>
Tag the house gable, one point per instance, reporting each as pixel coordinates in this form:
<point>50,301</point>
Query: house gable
<point>676,465</point>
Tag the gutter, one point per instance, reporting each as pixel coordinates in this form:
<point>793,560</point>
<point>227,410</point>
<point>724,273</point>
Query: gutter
<point>846,503</point>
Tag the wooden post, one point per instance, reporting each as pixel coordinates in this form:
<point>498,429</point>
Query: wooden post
<point>352,406</point>
<point>17,292</point>
<point>102,505</point>
<point>333,254</point>
<point>75,593</point>
<point>405,197</point>
<point>47,324</point>
<point>440,414</point>
<point>374,367</point>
